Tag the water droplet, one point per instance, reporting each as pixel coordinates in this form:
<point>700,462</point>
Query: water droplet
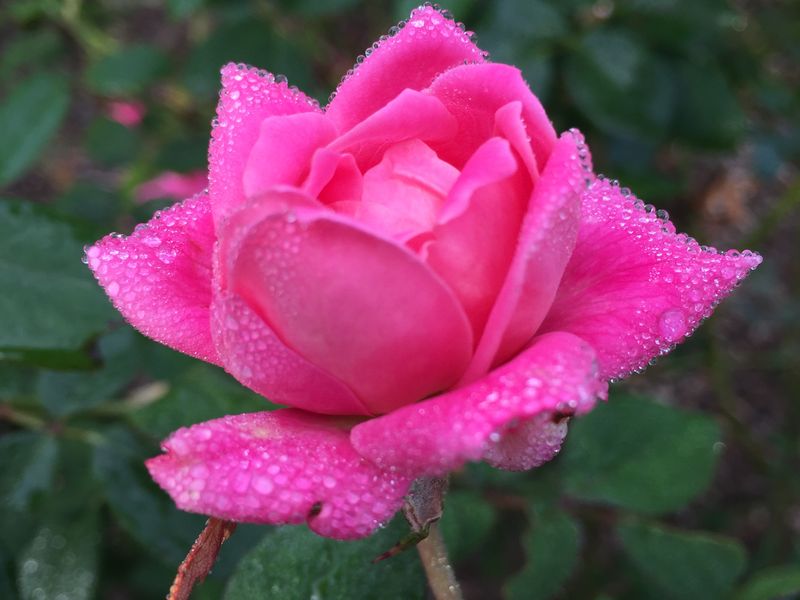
<point>113,289</point>
<point>672,324</point>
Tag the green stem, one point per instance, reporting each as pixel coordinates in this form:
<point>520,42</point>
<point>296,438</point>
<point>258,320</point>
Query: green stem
<point>441,577</point>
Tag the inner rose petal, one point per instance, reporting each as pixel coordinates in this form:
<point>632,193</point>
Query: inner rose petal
<point>403,194</point>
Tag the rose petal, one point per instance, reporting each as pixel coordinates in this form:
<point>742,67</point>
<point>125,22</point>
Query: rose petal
<point>259,359</point>
<point>159,277</point>
<point>248,97</point>
<point>412,182</point>
<point>283,151</point>
<point>473,246</point>
<point>280,467</point>
<point>359,307</point>
<point>546,240</point>
<point>633,287</point>
<point>411,115</point>
<point>428,45</point>
<point>473,94</point>
<point>555,376</point>
<point>333,177</point>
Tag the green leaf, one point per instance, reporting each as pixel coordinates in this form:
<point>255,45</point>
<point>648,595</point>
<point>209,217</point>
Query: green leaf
<point>28,460</point>
<point>526,22</point>
<point>708,113</point>
<point>772,583</point>
<point>619,85</point>
<point>551,550</point>
<point>61,560</point>
<point>636,454</point>
<point>29,117</point>
<point>138,504</point>
<point>684,565</point>
<point>48,299</point>
<point>200,394</point>
<point>64,393</point>
<point>466,522</point>
<point>292,563</point>
<point>6,587</point>
<point>251,42</point>
<point>180,9</point>
<point>318,8</point>
<point>128,71</point>
<point>111,143</point>
<point>30,48</point>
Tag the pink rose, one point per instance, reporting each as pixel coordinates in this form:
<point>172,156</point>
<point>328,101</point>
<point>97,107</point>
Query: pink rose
<point>126,112</point>
<point>170,184</point>
<point>424,271</point>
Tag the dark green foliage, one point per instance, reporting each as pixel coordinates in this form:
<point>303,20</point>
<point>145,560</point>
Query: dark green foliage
<point>684,485</point>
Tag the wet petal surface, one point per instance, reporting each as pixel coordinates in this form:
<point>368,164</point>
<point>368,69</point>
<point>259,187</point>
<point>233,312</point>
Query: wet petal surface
<point>634,287</point>
<point>410,58</point>
<point>159,277</point>
<point>248,97</point>
<point>556,376</point>
<point>280,467</point>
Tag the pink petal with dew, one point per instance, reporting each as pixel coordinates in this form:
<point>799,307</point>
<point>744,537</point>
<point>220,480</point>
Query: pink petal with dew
<point>633,287</point>
<point>545,243</point>
<point>159,277</point>
<point>473,94</point>
<point>473,245</point>
<point>252,352</point>
<point>280,467</point>
<point>172,185</point>
<point>360,307</point>
<point>411,115</point>
<point>333,177</point>
<point>502,418</point>
<point>248,97</point>
<point>283,151</point>
<point>409,58</point>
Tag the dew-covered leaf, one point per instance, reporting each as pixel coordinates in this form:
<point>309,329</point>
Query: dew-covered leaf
<point>61,559</point>
<point>551,555</point>
<point>28,461</point>
<point>639,455</point>
<point>48,299</point>
<point>29,117</point>
<point>683,565</point>
<point>292,563</point>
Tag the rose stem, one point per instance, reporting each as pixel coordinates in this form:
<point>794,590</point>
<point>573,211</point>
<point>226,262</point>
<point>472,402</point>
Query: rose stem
<point>441,577</point>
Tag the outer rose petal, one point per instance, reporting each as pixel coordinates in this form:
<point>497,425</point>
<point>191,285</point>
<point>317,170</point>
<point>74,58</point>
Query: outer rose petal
<point>546,240</point>
<point>259,359</point>
<point>159,277</point>
<point>283,151</point>
<point>248,97</point>
<point>633,287</point>
<point>427,45</point>
<point>286,466</point>
<point>473,94</point>
<point>360,307</point>
<point>555,375</point>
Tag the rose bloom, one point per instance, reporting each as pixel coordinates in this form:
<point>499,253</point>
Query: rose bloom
<point>424,271</point>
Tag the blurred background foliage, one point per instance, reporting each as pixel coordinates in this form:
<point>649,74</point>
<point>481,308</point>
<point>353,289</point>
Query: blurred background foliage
<point>684,486</point>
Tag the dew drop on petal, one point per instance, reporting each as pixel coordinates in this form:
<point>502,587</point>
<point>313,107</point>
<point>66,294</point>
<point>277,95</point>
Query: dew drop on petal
<point>672,324</point>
